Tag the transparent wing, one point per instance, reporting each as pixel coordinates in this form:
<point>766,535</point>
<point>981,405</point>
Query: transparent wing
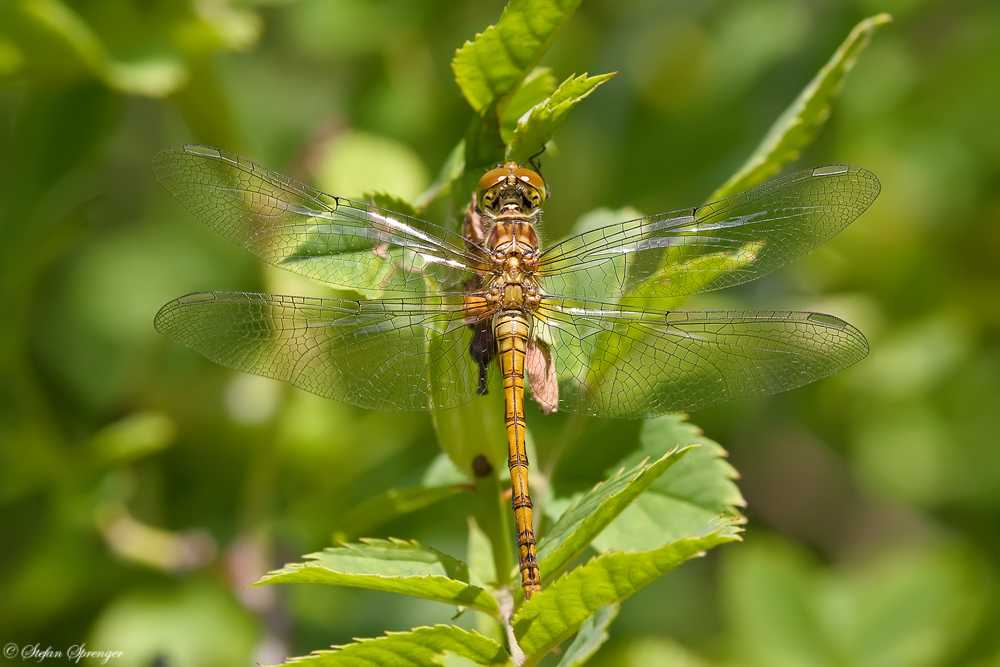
<point>392,355</point>
<point>341,242</point>
<point>636,363</point>
<point>713,246</point>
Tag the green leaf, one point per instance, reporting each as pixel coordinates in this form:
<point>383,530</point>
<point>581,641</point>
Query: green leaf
<point>535,88</point>
<point>677,265</point>
<point>379,509</point>
<point>451,170</point>
<point>442,472</point>
<point>799,125</point>
<point>591,635</point>
<point>550,617</point>
<point>569,283</point>
<point>688,496</point>
<point>357,162</point>
<point>595,510</point>
<point>449,659</point>
<point>473,429</point>
<point>482,564</point>
<point>389,565</point>
<point>391,203</point>
<point>500,57</point>
<point>484,149</point>
<point>422,647</point>
<point>535,129</point>
<point>480,553</point>
<point>691,274</point>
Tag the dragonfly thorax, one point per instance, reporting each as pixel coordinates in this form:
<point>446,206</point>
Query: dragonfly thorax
<point>513,245</point>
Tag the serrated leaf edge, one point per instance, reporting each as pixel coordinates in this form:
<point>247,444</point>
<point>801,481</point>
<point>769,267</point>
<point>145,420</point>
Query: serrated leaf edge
<point>358,641</point>
<point>678,452</point>
<point>726,530</point>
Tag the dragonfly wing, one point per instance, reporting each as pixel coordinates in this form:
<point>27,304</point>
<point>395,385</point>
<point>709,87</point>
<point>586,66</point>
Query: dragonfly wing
<point>393,355</point>
<point>637,363</point>
<point>338,241</point>
<point>713,246</point>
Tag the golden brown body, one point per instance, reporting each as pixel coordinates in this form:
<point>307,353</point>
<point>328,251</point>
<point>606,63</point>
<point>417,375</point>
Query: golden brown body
<point>511,330</point>
<point>400,352</point>
<point>510,197</point>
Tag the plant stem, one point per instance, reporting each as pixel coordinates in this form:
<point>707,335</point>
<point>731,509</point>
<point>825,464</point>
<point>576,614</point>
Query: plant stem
<point>506,602</point>
<point>496,523</point>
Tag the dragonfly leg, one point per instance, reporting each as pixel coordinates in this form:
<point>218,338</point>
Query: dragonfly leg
<point>511,331</point>
<point>482,350</point>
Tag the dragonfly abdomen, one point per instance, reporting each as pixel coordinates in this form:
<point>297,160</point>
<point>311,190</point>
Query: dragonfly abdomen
<point>511,330</point>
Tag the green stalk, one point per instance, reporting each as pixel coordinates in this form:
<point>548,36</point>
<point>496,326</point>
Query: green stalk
<point>495,520</point>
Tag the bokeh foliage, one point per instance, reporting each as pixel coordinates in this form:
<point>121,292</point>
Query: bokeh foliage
<point>142,487</point>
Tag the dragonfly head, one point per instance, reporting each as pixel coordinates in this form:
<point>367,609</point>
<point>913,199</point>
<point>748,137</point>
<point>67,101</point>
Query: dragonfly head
<point>511,187</point>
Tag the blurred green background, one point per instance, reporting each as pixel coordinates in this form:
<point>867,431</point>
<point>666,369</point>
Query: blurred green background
<point>142,487</point>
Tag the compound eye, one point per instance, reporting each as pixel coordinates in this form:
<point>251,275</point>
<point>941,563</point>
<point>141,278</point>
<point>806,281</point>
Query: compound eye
<point>491,178</point>
<point>530,177</point>
<point>534,181</point>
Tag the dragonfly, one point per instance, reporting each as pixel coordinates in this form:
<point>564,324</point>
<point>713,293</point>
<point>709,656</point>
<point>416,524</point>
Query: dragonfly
<point>588,321</point>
